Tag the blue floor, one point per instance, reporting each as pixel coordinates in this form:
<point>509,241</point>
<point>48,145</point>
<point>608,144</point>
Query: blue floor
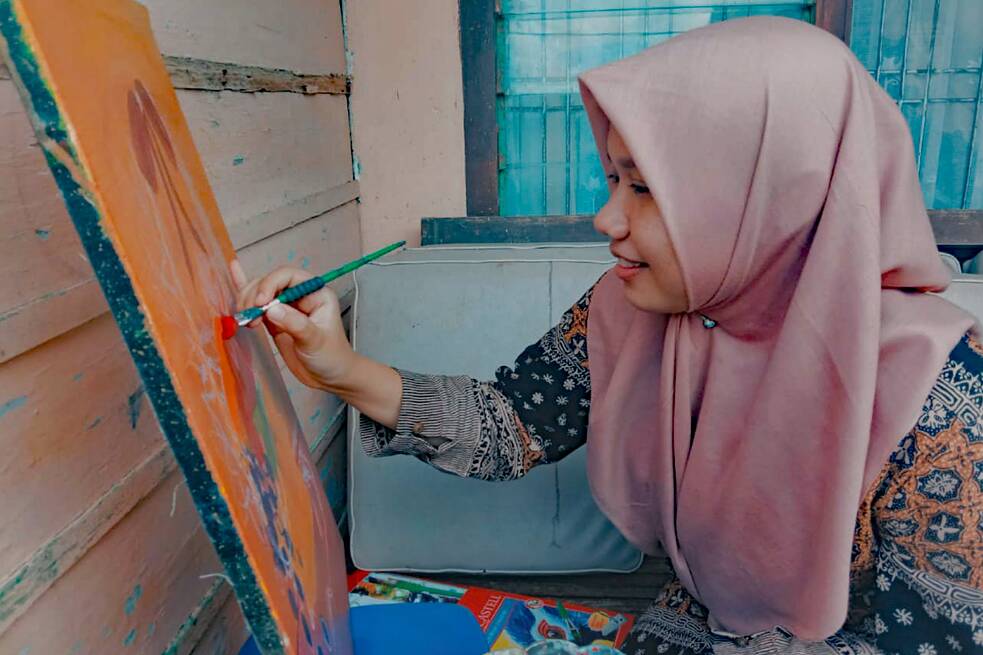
<point>420,629</point>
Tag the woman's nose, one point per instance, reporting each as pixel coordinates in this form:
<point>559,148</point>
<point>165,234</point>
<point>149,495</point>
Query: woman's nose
<point>610,219</point>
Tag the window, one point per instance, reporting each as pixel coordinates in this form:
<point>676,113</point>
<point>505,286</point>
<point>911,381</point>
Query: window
<point>927,55</point>
<point>547,160</point>
<point>529,149</point>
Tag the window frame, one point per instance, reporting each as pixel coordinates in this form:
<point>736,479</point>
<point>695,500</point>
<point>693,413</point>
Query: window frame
<point>955,229</point>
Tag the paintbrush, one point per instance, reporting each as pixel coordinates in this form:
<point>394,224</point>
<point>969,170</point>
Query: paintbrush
<point>567,619</point>
<point>230,324</point>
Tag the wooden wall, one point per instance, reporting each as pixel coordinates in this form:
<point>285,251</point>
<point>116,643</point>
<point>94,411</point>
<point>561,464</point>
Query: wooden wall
<point>101,550</point>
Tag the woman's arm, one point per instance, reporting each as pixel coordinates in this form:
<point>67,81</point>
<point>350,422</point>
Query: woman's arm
<point>534,412</point>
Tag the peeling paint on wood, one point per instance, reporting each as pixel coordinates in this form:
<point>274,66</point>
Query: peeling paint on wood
<point>53,470</point>
<point>22,588</point>
<point>165,555</point>
<point>194,626</point>
<point>225,633</point>
<point>204,75</point>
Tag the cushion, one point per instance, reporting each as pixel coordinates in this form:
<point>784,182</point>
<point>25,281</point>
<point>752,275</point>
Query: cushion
<point>468,310</point>
<point>967,292</point>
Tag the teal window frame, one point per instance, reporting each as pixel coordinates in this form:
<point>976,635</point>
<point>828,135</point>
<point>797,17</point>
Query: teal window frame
<point>955,229</point>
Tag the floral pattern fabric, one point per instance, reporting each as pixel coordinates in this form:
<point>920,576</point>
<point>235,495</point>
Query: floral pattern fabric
<point>917,573</point>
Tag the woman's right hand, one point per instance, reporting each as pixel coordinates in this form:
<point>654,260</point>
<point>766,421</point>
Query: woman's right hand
<point>309,334</point>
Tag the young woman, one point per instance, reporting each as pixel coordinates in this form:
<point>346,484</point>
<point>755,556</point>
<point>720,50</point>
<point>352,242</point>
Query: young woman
<point>766,389</point>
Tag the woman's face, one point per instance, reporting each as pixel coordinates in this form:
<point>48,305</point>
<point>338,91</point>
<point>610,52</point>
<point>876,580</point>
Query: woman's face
<point>647,262</point>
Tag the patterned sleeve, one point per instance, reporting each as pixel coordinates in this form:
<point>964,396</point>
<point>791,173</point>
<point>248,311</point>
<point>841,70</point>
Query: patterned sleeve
<point>532,413</point>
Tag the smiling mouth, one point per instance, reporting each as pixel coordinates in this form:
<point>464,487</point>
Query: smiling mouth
<point>628,263</point>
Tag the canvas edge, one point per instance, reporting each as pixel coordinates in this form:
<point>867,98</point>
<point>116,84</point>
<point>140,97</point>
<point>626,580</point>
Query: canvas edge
<point>48,123</point>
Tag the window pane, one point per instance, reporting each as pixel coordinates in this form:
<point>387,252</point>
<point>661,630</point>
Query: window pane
<point>548,163</point>
<point>927,55</point>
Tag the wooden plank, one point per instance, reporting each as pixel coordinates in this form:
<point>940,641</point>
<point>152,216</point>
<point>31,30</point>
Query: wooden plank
<point>478,60</point>
<point>254,229</point>
<point>73,422</point>
<point>301,35</point>
<point>512,229</point>
<point>132,591</point>
<point>269,159</point>
<point>266,150</point>
<point>204,75</point>
<point>835,16</point>
<point>962,227</point>
<point>225,633</point>
<point>199,622</point>
<point>24,585</point>
<point>40,248</point>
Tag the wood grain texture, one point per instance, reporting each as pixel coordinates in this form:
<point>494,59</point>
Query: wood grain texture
<point>273,161</point>
<point>263,151</point>
<point>40,248</point>
<point>75,422</point>
<point>300,35</point>
<point>25,584</point>
<point>57,311</point>
<point>204,75</point>
<point>132,592</point>
<point>292,213</point>
<point>224,633</point>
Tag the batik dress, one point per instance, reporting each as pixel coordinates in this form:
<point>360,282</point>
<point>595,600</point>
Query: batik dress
<point>917,566</point>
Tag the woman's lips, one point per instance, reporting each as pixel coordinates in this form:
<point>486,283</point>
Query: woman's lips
<point>626,269</point>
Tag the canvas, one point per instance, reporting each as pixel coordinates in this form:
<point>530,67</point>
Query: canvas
<point>109,124</point>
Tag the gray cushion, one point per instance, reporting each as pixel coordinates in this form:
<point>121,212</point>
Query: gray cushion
<point>468,310</point>
<point>967,292</point>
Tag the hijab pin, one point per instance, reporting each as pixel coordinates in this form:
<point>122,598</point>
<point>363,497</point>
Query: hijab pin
<point>708,322</point>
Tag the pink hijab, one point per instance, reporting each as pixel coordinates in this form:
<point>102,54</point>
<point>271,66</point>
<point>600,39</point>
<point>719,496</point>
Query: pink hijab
<point>787,182</point>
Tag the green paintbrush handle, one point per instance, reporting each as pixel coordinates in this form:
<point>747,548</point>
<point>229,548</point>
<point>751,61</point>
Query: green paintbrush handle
<point>310,286</point>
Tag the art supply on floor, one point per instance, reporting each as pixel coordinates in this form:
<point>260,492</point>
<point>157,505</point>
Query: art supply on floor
<point>509,621</point>
<point>230,324</point>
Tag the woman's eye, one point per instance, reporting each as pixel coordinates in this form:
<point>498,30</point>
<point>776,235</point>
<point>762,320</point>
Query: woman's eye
<point>614,178</point>
<point>639,189</point>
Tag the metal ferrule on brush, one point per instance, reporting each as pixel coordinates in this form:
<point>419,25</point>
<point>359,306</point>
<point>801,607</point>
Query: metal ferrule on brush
<point>247,316</point>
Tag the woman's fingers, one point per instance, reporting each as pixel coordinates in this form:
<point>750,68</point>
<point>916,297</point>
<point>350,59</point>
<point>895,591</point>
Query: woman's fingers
<point>277,281</point>
<point>238,275</point>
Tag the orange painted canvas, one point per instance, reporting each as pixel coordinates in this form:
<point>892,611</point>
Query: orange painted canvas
<point>118,146</point>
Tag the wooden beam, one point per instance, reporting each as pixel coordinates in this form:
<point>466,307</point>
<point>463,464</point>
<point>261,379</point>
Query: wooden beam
<point>509,229</point>
<point>957,227</point>
<point>953,228</point>
<point>477,19</point>
<point>205,75</point>
<point>835,16</point>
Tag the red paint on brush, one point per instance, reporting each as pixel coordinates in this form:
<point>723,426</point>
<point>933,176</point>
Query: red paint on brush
<point>229,327</point>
